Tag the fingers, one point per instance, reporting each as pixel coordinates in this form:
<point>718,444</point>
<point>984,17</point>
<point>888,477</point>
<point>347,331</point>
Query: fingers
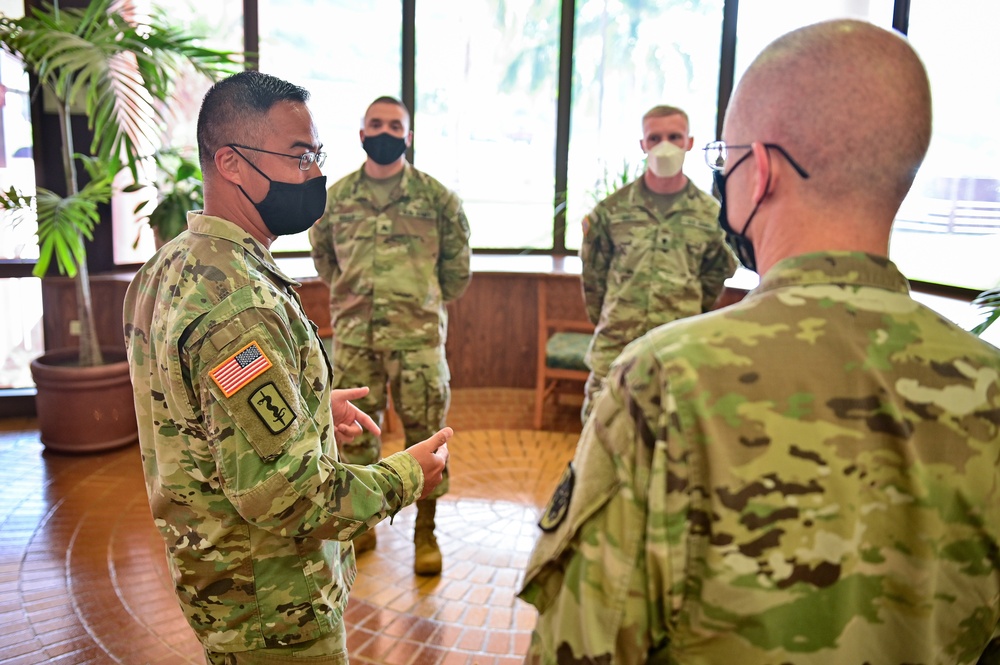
<point>440,438</point>
<point>363,420</point>
<point>348,394</point>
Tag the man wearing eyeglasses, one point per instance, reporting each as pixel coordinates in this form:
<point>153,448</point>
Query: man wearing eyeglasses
<point>652,251</point>
<point>237,422</point>
<point>393,246</point>
<point>810,475</point>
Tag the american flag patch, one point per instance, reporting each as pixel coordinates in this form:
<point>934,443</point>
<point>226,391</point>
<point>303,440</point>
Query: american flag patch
<point>240,369</point>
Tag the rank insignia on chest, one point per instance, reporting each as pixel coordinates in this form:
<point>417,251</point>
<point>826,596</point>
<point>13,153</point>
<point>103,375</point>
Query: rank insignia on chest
<point>240,369</point>
<point>558,506</point>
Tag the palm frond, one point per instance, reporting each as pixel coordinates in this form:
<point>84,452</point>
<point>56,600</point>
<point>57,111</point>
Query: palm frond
<point>989,304</point>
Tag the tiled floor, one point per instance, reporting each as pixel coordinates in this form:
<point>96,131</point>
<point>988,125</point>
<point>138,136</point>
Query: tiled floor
<point>83,577</point>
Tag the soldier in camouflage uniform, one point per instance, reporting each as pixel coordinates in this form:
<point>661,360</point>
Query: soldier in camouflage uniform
<point>393,246</point>
<point>652,251</point>
<point>808,476</point>
<point>237,422</point>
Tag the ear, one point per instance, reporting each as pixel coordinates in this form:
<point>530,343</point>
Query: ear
<point>642,146</point>
<point>227,164</point>
<point>361,135</point>
<point>762,171</point>
<point>409,138</point>
<point>690,144</point>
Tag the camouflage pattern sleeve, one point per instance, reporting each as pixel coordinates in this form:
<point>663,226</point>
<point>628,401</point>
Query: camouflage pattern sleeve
<point>587,577</point>
<point>453,262</point>
<point>323,253</point>
<point>596,252</point>
<point>717,265</point>
<point>267,449</point>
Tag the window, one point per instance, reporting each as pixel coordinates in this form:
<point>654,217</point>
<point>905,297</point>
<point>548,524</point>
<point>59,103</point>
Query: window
<point>629,57</point>
<point>221,26</point>
<point>486,82</point>
<point>948,230</point>
<point>20,297</point>
<point>346,54</point>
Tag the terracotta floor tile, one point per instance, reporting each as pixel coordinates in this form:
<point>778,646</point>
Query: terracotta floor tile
<point>83,576</point>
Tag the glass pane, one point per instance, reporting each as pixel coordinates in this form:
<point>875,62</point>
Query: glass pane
<point>486,81</point>
<point>762,21</point>
<point>629,57</point>
<point>346,54</point>
<point>17,167</point>
<point>21,331</point>
<point>220,26</point>
<point>948,230</point>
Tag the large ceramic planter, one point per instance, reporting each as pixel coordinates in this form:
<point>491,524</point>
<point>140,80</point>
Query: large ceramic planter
<point>84,409</point>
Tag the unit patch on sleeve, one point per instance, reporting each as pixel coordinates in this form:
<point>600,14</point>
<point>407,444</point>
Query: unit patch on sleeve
<point>558,506</point>
<point>240,369</point>
<point>272,408</point>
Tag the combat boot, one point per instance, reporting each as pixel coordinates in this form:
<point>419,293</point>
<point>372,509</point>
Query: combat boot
<point>427,554</point>
<point>364,542</point>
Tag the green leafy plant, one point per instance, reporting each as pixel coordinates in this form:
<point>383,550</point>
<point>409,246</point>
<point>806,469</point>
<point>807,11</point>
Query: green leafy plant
<point>121,70</point>
<point>611,181</point>
<point>179,189</point>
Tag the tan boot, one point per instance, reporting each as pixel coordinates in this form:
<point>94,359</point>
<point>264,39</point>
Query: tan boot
<point>364,542</point>
<point>427,555</point>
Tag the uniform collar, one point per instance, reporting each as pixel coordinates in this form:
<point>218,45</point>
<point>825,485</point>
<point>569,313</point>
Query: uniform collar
<point>217,227</point>
<point>836,268</point>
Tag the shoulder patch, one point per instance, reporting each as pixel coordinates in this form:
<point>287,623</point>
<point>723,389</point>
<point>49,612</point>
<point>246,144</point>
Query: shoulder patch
<point>270,406</point>
<point>240,369</point>
<point>558,506</point>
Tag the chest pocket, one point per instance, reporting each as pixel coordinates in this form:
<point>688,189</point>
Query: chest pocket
<point>629,230</point>
<point>350,225</point>
<point>416,220</point>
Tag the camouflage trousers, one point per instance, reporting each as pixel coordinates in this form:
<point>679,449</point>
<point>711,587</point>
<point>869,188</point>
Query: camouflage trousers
<point>328,650</point>
<point>419,382</point>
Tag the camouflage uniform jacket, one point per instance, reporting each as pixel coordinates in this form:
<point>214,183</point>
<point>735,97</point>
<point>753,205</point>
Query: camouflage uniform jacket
<point>232,393</point>
<point>644,266</point>
<point>392,268</point>
<point>808,476</point>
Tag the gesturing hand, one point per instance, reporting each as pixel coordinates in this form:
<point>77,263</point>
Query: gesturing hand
<point>432,455</point>
<point>349,421</point>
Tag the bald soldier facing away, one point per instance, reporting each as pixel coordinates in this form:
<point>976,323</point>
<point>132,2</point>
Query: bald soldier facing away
<point>237,422</point>
<point>810,475</point>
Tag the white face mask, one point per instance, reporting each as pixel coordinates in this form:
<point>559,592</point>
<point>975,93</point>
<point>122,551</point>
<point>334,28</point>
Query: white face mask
<point>665,160</point>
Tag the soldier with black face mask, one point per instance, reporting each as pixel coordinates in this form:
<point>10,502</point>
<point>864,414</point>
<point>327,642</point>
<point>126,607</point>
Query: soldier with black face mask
<point>393,245</point>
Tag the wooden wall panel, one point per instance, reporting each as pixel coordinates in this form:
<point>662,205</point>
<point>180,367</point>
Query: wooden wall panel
<point>492,328</point>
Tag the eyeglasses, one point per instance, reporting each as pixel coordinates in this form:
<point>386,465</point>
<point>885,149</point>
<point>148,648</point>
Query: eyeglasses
<point>306,159</point>
<point>717,154</point>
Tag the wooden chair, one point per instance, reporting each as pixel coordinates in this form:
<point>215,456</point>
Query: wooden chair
<point>563,336</point>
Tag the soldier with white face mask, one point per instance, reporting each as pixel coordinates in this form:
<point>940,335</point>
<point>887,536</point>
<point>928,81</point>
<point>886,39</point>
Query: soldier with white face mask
<point>652,251</point>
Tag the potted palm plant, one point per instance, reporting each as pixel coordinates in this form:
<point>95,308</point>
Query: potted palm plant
<point>121,70</point>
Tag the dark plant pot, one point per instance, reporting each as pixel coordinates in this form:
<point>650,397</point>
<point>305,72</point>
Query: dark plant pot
<point>84,409</point>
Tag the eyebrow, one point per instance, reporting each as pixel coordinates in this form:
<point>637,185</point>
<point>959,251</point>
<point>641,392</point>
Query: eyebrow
<point>307,146</point>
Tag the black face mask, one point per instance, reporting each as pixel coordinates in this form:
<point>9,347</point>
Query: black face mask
<point>384,148</point>
<point>289,207</point>
<point>738,242</point>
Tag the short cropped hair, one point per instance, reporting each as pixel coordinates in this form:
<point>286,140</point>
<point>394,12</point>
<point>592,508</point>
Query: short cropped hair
<point>234,110</point>
<point>663,110</point>
<point>386,99</point>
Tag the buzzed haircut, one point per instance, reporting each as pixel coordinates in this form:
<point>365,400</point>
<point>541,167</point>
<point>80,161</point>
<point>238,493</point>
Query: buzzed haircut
<point>663,110</point>
<point>386,99</point>
<point>234,109</point>
<point>849,100</point>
